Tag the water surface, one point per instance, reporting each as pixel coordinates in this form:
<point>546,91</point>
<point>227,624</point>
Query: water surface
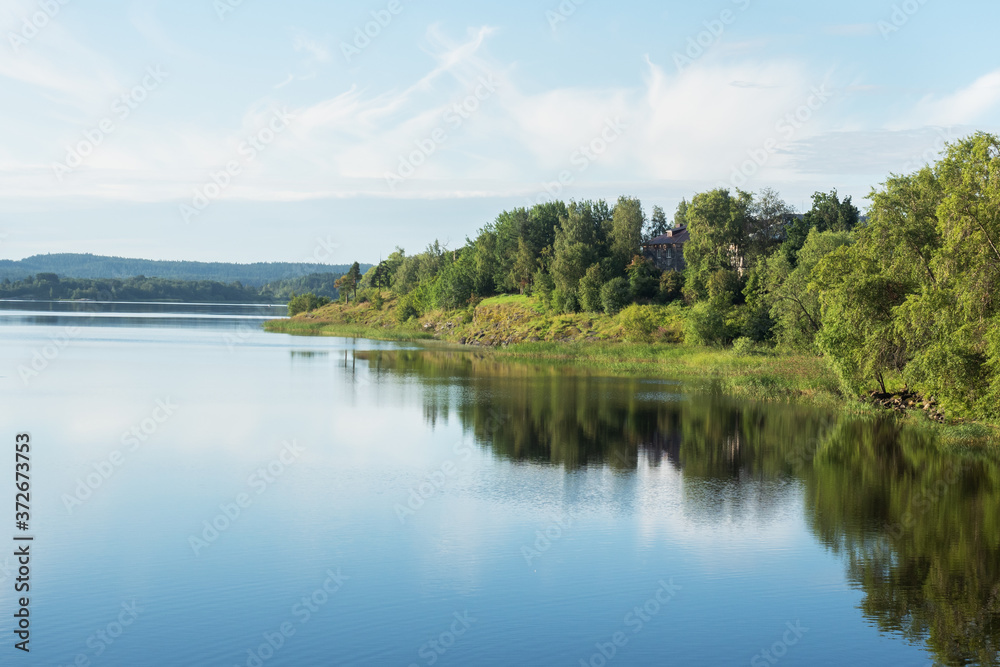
<point>396,504</point>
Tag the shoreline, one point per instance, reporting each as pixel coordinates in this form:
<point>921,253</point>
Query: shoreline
<point>769,376</point>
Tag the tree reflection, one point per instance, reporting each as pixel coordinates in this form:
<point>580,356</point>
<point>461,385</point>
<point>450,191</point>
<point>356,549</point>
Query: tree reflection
<point>918,527</point>
<point>920,531</point>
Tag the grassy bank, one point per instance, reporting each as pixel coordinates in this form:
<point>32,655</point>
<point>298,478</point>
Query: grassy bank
<point>519,329</point>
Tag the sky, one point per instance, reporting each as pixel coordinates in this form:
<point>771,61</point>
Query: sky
<point>307,130</point>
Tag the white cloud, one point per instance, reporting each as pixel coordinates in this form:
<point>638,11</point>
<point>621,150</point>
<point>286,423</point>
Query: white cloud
<point>967,106</point>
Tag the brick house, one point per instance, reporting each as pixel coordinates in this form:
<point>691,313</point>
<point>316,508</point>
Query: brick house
<point>667,250</point>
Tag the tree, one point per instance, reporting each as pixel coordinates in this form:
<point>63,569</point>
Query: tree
<point>768,218</point>
<point>827,214</point>
<point>525,262</point>
<point>789,293</point>
<point>658,223</point>
<point>627,222</point>
<point>353,278</point>
<point>575,248</point>
<point>671,286</point>
<point>717,222</point>
<point>643,278</point>
<point>680,215</point>
<point>615,295</point>
<point>590,289</point>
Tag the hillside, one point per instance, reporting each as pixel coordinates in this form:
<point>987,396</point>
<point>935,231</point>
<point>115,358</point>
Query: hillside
<point>76,265</point>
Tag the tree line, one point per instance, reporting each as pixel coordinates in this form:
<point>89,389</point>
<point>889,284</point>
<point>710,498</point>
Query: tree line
<point>85,265</point>
<point>904,294</point>
<point>143,288</point>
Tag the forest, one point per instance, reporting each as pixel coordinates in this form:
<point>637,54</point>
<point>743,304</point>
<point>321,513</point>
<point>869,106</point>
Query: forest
<point>142,288</point>
<point>903,296</point>
<point>80,265</point>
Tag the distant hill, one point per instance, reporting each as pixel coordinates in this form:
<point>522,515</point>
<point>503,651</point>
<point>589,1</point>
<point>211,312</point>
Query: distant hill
<point>75,265</point>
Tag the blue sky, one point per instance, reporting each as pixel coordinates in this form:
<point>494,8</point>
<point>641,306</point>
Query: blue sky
<point>248,131</point>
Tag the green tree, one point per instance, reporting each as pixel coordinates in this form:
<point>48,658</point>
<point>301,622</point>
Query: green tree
<point>658,224</point>
<point>615,295</point>
<point>627,222</point>
<point>828,214</point>
<point>575,249</point>
<point>791,296</point>
<point>590,289</point>
<point>354,277</point>
<point>680,215</point>
<point>717,221</point>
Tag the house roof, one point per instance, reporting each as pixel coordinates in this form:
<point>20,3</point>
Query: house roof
<point>676,236</point>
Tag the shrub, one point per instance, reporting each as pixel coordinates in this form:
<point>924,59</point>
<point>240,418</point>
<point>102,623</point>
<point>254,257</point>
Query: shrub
<point>305,303</point>
<point>707,325</point>
<point>638,323</point>
<point>615,295</point>
<point>671,286</point>
<point>565,302</point>
<point>377,300</point>
<point>744,346</point>
<point>407,308</point>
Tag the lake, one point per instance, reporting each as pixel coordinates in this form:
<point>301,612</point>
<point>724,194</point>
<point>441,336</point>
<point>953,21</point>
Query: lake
<point>204,493</point>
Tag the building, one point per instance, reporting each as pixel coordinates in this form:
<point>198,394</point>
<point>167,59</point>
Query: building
<point>667,250</point>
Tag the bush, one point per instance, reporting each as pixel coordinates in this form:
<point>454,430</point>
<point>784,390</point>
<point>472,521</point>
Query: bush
<point>615,295</point>
<point>671,286</point>
<point>707,325</point>
<point>746,347</point>
<point>407,308</point>
<point>377,300</point>
<point>638,323</point>
<point>305,303</point>
<point>565,302</point>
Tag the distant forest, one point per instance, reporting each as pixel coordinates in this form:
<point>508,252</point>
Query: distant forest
<point>73,265</point>
<point>142,288</point>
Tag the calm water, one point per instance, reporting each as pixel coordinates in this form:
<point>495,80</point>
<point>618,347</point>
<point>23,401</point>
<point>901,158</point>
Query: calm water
<point>384,504</point>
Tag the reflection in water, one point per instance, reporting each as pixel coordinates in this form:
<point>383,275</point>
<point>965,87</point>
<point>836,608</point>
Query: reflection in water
<point>135,314</point>
<point>919,528</point>
<point>920,531</point>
